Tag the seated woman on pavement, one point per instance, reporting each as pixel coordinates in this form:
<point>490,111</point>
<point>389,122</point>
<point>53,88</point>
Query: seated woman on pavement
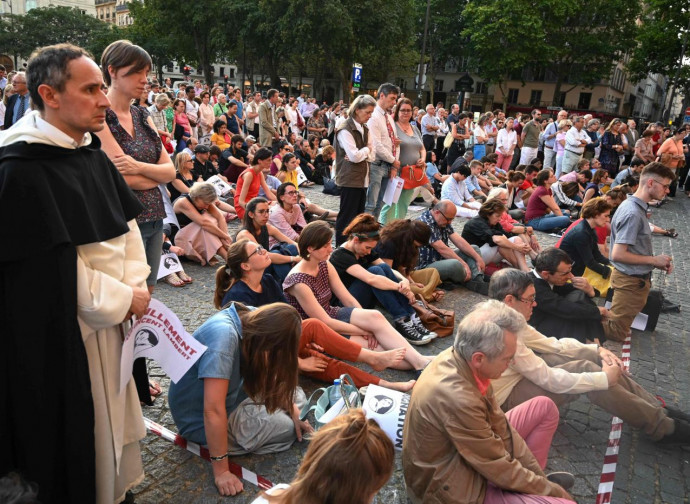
<point>184,177</point>
<point>600,179</point>
<point>314,281</point>
<point>220,136</point>
<point>580,243</point>
<point>203,231</point>
<point>287,216</point>
<point>244,279</point>
<point>251,179</point>
<point>514,203</point>
<point>349,441</point>
<point>255,227</point>
<point>398,247</point>
<point>241,396</point>
<point>543,214</point>
<point>494,243</point>
<point>510,225</point>
<point>372,281</point>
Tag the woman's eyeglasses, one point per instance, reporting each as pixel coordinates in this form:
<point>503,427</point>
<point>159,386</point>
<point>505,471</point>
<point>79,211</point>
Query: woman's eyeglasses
<point>258,250</point>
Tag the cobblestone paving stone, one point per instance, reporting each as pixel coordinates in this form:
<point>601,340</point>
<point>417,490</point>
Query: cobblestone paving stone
<point>646,474</point>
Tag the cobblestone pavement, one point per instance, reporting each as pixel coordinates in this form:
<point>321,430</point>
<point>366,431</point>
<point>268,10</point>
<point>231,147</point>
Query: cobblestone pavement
<point>646,473</point>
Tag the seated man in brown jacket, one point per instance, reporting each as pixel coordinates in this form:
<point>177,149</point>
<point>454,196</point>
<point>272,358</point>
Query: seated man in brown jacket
<point>458,445</point>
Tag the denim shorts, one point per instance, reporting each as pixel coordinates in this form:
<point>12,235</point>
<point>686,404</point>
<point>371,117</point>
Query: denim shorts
<point>344,314</point>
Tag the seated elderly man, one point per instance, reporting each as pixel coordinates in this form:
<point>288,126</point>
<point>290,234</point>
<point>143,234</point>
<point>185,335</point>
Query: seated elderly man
<point>565,368</point>
<point>565,310</point>
<point>458,445</point>
<point>464,265</point>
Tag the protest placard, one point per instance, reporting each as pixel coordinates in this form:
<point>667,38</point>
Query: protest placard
<point>170,263</point>
<point>159,335</point>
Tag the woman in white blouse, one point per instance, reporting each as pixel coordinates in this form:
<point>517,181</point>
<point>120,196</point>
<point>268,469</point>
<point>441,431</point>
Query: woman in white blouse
<point>505,145</point>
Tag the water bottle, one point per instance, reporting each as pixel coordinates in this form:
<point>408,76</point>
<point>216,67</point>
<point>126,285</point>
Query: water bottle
<point>334,393</point>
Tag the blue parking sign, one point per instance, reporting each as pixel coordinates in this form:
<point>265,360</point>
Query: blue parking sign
<point>356,73</point>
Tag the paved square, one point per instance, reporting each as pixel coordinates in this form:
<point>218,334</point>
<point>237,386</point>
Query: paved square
<point>646,473</point>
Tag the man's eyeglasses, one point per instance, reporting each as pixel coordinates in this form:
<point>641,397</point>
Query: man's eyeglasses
<point>258,250</point>
<point>564,273</point>
<point>445,216</point>
<point>530,300</point>
<point>665,186</point>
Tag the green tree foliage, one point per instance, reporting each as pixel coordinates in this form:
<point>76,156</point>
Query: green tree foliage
<point>503,37</point>
<point>659,43</point>
<point>577,42</point>
<point>175,28</point>
<point>21,35</point>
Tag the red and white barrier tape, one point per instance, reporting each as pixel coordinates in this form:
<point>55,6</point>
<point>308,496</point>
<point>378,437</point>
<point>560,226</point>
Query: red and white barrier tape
<point>202,452</point>
<point>608,472</point>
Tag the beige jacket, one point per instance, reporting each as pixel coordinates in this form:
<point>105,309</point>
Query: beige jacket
<point>527,365</point>
<point>266,121</point>
<point>455,439</point>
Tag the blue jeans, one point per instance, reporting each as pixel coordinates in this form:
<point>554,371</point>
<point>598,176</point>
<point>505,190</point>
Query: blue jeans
<point>378,181</point>
<point>394,302</point>
<point>549,222</point>
<point>451,270</point>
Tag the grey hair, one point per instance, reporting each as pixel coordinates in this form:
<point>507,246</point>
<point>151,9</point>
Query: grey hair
<point>203,191</point>
<point>482,330</point>
<point>509,281</point>
<point>361,102</point>
<point>592,122</point>
<point>496,192</point>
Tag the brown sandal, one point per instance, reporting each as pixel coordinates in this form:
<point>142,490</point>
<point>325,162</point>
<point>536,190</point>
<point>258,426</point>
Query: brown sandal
<point>437,295</point>
<point>174,280</point>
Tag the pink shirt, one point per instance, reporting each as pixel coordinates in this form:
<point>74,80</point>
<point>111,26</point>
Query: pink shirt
<point>559,148</point>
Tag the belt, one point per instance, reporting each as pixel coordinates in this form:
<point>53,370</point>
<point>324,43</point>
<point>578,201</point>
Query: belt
<point>573,152</point>
<point>547,147</point>
<point>645,276</point>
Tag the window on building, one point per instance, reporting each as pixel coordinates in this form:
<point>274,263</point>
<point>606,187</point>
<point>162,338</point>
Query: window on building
<point>222,72</point>
<point>438,85</point>
<point>451,65</point>
<point>232,73</point>
<point>513,95</point>
<point>535,97</point>
<point>584,101</point>
<point>30,4</point>
<point>482,88</point>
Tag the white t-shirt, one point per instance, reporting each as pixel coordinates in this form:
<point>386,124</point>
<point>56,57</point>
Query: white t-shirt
<point>261,500</point>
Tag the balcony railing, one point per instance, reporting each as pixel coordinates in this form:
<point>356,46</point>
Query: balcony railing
<point>104,2</point>
<point>122,8</point>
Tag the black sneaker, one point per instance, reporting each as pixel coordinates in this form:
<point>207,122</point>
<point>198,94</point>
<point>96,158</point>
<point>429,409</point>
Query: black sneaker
<point>564,479</point>
<point>680,435</point>
<point>409,332</point>
<point>420,327</point>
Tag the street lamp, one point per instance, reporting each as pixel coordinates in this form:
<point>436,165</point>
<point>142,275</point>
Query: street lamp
<point>9,3</point>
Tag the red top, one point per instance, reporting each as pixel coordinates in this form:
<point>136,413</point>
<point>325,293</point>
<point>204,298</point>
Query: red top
<point>535,206</point>
<point>252,193</point>
<point>527,184</point>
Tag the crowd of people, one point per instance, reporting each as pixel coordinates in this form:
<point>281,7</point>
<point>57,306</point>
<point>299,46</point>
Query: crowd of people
<point>131,169</point>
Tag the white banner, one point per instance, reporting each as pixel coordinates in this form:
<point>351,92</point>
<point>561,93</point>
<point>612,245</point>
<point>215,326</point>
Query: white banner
<point>159,335</point>
<point>170,263</point>
<point>222,187</point>
<point>388,407</point>
<point>393,190</point>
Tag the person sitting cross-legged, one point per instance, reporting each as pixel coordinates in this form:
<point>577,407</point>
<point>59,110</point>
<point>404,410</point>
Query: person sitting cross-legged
<point>563,369</point>
<point>565,310</point>
<point>458,445</point>
<point>461,265</point>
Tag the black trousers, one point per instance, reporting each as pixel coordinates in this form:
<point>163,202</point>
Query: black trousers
<point>352,202</point>
<point>429,142</point>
